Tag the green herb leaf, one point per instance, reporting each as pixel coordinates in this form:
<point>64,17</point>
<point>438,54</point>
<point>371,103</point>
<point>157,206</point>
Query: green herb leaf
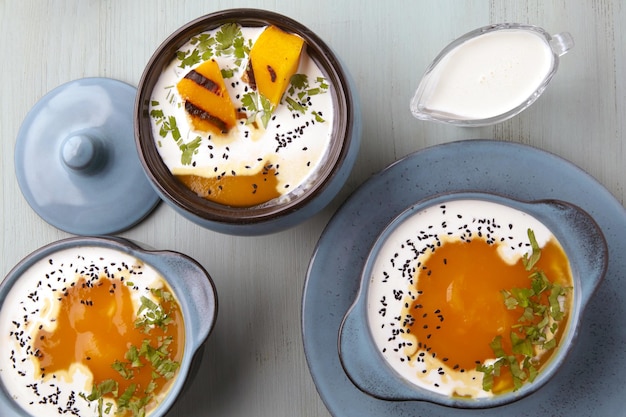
<point>294,105</point>
<point>249,101</point>
<point>530,261</point>
<point>189,59</point>
<point>157,113</point>
<point>151,315</point>
<point>496,346</point>
<point>555,305</point>
<point>487,376</point>
<point>122,369</point>
<point>124,400</point>
<point>537,323</point>
<point>226,35</point>
<point>227,73</point>
<point>188,150</point>
<point>318,118</point>
<point>299,81</point>
<point>133,357</point>
<point>521,346</point>
<point>257,105</point>
<point>532,373</point>
<point>550,344</point>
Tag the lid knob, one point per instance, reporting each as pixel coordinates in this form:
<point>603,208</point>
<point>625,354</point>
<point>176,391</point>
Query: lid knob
<point>82,152</point>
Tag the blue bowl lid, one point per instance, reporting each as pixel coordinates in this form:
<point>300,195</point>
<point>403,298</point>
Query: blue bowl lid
<point>76,161</point>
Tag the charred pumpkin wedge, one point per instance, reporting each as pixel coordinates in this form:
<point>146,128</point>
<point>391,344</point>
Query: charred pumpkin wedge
<point>206,99</point>
<point>274,58</point>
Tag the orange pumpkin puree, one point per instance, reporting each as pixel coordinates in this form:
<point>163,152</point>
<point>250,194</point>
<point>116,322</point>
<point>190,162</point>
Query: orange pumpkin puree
<point>461,309</point>
<point>235,190</point>
<point>96,328</point>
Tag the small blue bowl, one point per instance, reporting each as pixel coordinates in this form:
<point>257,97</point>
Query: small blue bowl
<point>584,246</point>
<point>190,282</point>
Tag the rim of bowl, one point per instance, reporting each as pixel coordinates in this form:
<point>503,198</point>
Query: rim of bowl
<point>182,197</point>
<point>128,247</point>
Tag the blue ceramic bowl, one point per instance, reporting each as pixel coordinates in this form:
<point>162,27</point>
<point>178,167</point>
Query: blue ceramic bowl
<point>584,246</point>
<point>266,218</point>
<point>190,282</point>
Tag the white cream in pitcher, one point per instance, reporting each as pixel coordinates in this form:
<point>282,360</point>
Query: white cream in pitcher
<point>488,75</point>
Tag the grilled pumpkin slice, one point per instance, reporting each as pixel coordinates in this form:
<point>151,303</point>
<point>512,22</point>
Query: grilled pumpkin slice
<point>274,58</point>
<point>206,99</point>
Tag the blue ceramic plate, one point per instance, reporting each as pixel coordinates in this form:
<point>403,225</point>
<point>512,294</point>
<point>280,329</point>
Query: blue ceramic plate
<point>593,379</point>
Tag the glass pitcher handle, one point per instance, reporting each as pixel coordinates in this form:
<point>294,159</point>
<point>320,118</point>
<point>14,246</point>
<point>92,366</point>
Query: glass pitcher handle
<point>561,43</point>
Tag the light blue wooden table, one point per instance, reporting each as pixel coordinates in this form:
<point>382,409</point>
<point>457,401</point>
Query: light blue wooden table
<point>254,364</point>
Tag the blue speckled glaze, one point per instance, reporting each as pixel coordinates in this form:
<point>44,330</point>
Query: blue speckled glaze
<point>75,159</point>
<point>190,282</point>
<point>586,250</point>
<point>590,383</point>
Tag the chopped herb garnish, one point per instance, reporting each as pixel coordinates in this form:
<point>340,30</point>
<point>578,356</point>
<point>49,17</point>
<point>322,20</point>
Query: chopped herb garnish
<point>169,127</point>
<point>300,91</point>
<point>122,369</point>
<point>536,327</point>
<point>98,392</point>
<point>132,356</point>
<point>150,315</point>
<point>227,73</point>
<point>188,150</point>
<point>228,41</point>
<point>203,51</point>
<point>530,261</point>
<point>257,105</point>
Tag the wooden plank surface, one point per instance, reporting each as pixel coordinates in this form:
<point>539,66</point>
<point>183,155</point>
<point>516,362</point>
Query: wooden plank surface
<point>254,363</point>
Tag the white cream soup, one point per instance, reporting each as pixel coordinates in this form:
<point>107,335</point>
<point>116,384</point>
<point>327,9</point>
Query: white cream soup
<point>291,141</point>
